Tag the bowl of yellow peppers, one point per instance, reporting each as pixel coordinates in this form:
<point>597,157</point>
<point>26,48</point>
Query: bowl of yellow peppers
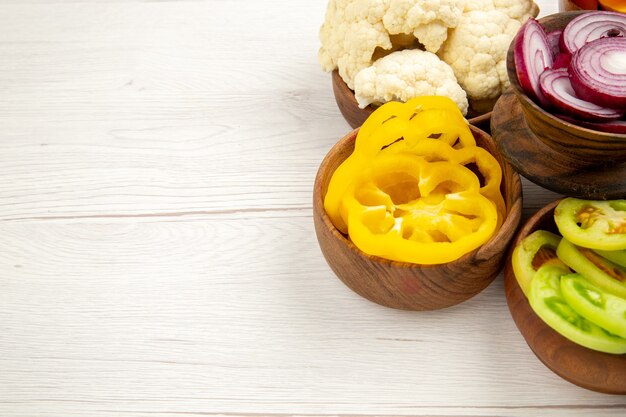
<point>415,209</point>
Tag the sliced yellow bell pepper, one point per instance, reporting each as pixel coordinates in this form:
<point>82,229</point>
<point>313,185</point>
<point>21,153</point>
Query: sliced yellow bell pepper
<point>486,164</point>
<point>407,209</point>
<point>397,127</point>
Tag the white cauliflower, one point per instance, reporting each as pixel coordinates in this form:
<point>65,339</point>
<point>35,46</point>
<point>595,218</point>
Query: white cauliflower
<point>515,9</point>
<point>427,20</point>
<point>351,32</point>
<point>476,50</point>
<point>406,74</point>
<point>355,30</point>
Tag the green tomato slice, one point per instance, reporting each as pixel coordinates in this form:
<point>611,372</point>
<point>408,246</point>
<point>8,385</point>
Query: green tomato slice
<point>546,299</point>
<point>592,224</point>
<point>535,250</point>
<point>600,307</point>
<point>599,271</point>
<point>615,256</point>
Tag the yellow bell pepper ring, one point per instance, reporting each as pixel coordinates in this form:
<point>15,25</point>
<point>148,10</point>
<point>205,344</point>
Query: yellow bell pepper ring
<point>486,164</point>
<point>396,127</point>
<point>407,209</point>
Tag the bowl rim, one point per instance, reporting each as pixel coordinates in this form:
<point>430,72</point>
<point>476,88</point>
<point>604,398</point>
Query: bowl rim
<point>336,78</point>
<point>506,231</point>
<point>519,92</point>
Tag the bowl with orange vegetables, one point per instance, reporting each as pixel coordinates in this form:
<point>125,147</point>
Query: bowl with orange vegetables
<point>415,210</point>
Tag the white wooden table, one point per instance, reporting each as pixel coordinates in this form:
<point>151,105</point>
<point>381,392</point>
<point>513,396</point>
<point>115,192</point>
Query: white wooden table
<point>157,252</point>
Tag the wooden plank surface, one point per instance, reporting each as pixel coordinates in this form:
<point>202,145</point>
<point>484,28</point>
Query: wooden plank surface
<point>157,252</point>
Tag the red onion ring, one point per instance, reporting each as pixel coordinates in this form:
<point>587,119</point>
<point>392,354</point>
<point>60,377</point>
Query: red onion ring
<point>556,87</point>
<point>591,26</point>
<point>532,55</point>
<point>613,126</point>
<point>598,72</point>
<point>554,39</point>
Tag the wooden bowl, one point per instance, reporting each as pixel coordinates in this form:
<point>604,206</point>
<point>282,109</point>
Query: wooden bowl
<point>589,147</point>
<point>567,5</point>
<point>410,286</point>
<point>355,116</point>
<point>584,367</point>
<point>547,167</point>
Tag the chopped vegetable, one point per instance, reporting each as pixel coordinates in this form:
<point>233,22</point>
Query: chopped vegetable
<point>598,72</point>
<point>407,193</point>
<point>556,87</point>
<point>406,209</point>
<point>546,299</point>
<point>356,32</point>
<point>476,50</point>
<point>600,271</point>
<point>613,126</point>
<point>421,117</point>
<point>406,74</point>
<point>615,256</point>
<point>554,38</point>
<point>471,36</point>
<point>592,224</point>
<point>533,55</point>
<point>561,61</point>
<point>536,250</point>
<point>588,306</point>
<point>600,307</point>
<point>591,26</point>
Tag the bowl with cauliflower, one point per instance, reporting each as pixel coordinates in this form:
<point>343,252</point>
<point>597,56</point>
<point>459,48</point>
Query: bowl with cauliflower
<point>395,50</point>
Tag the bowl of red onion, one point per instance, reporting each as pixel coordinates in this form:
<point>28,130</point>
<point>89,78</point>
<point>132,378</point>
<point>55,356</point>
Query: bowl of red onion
<point>568,71</point>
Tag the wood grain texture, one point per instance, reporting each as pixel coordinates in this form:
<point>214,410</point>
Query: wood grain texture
<point>590,369</point>
<point>410,286</point>
<point>568,6</point>
<point>157,250</point>
<point>547,167</point>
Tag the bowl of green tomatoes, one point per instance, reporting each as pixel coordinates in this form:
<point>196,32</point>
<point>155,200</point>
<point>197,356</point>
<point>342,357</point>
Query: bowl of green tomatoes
<point>565,284</point>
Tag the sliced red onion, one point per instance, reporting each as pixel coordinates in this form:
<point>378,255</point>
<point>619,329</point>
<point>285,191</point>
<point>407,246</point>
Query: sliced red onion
<point>598,72</point>
<point>554,38</point>
<point>612,126</point>
<point>556,87</point>
<point>532,54</point>
<point>561,61</point>
<point>591,26</point>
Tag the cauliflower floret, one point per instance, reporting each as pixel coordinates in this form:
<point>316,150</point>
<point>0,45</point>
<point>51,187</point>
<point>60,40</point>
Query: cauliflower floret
<point>351,32</point>
<point>476,50</point>
<point>428,20</point>
<point>354,30</point>
<point>515,9</point>
<point>406,74</point>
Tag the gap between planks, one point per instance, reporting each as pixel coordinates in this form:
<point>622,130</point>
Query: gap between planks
<point>275,210</point>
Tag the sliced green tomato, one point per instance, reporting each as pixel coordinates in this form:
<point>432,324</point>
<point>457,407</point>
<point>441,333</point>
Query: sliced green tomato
<point>600,307</point>
<point>615,256</point>
<point>592,224</point>
<point>598,270</point>
<point>537,249</point>
<point>546,299</point>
